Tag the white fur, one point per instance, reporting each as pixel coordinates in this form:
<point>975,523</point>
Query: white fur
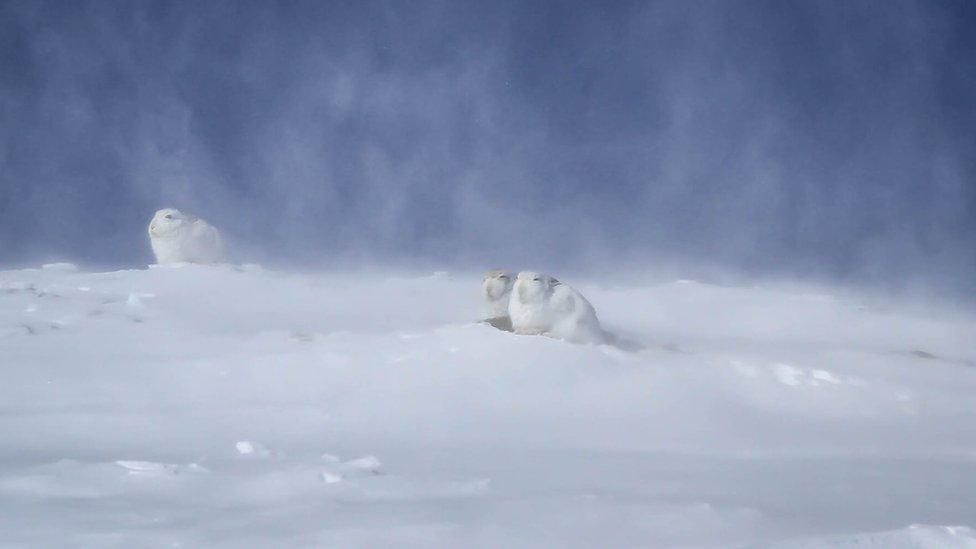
<point>180,238</point>
<point>495,291</point>
<point>540,304</point>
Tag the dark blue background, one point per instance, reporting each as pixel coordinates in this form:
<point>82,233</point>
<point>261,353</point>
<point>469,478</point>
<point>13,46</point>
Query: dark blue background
<point>826,139</point>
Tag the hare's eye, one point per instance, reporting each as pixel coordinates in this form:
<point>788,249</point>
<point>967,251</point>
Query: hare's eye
<point>537,279</point>
<point>169,216</point>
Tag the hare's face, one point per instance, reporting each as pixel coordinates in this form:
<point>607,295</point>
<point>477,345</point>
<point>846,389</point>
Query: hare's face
<point>497,285</point>
<point>166,223</point>
<point>532,287</point>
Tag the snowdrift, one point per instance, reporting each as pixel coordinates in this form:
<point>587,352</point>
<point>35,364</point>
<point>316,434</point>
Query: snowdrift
<point>234,406</point>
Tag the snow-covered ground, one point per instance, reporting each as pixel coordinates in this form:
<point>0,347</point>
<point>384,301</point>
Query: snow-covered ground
<point>233,406</point>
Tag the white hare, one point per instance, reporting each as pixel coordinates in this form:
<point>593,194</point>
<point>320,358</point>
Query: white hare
<point>496,289</point>
<point>180,238</point>
<point>540,304</point>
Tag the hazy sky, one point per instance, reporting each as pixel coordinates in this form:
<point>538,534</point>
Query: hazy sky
<point>830,139</point>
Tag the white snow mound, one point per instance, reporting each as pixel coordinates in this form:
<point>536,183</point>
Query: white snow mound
<point>132,403</point>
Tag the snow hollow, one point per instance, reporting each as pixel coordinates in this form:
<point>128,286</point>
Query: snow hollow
<point>229,406</point>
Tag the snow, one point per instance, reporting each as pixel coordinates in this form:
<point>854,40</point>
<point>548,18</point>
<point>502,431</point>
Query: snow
<point>912,537</point>
<point>227,406</point>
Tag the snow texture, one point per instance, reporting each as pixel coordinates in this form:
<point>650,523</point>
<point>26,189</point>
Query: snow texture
<point>222,406</point>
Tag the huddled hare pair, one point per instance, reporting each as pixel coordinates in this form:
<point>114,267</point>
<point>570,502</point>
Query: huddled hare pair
<point>538,304</point>
<point>177,237</point>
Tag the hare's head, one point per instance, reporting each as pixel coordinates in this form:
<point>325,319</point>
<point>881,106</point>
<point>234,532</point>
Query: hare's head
<point>167,223</point>
<point>533,287</point>
<point>497,284</point>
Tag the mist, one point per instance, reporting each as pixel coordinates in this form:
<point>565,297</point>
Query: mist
<point>760,217</point>
<point>823,141</point>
